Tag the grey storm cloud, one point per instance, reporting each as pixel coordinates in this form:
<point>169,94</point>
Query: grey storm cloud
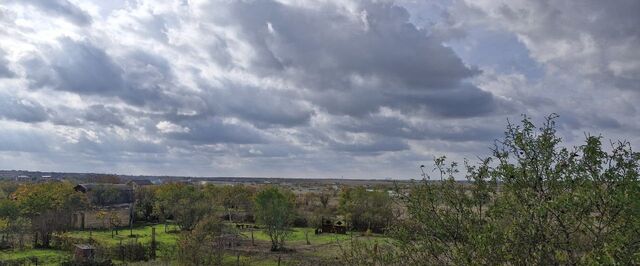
<point>110,144</point>
<point>214,131</point>
<point>81,67</point>
<point>376,146</point>
<point>24,141</point>
<point>23,110</point>
<point>355,66</point>
<point>597,39</point>
<point>104,115</point>
<point>75,66</point>
<point>434,130</point>
<point>260,107</point>
<point>5,72</point>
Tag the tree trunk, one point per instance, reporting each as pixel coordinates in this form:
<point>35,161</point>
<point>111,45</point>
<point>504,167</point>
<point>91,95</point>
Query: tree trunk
<point>46,239</point>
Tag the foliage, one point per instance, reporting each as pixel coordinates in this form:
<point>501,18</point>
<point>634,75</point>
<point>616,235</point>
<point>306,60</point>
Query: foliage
<point>103,195</point>
<point>234,199</point>
<point>532,202</point>
<point>367,209</point>
<point>8,208</point>
<point>275,211</point>
<point>49,206</point>
<point>203,245</point>
<point>29,256</point>
<point>7,188</point>
<point>145,198</point>
<point>182,202</point>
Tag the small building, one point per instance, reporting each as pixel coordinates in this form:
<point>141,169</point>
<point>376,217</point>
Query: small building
<point>23,178</point>
<point>137,183</point>
<point>336,226</point>
<point>84,253</point>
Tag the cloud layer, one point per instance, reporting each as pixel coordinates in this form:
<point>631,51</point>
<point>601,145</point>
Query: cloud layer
<point>357,88</point>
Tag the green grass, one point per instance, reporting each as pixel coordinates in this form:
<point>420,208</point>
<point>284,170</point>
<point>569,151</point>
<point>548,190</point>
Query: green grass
<point>143,234</point>
<point>45,256</point>
<point>297,236</point>
<point>323,245</point>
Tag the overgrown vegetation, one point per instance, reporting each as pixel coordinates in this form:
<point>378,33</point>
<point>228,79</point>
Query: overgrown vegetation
<point>534,202</point>
<point>275,212</point>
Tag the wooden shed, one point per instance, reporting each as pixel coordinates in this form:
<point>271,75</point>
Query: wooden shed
<point>84,253</point>
<point>336,226</point>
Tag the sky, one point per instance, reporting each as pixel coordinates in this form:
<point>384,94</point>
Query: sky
<point>305,88</point>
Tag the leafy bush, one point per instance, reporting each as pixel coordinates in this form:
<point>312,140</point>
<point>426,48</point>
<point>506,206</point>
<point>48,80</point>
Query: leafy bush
<point>533,202</point>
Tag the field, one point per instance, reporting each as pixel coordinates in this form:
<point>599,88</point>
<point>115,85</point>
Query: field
<point>35,256</point>
<point>321,247</point>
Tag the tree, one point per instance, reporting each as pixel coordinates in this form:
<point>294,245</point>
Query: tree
<point>105,195</point>
<point>367,209</point>
<point>7,188</point>
<point>49,206</point>
<point>324,197</point>
<point>234,198</point>
<point>184,203</point>
<point>203,245</point>
<point>11,223</point>
<point>531,202</point>
<point>275,211</point>
<point>145,199</point>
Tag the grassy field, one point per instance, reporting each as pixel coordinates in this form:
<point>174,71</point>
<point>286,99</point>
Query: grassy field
<point>297,236</point>
<point>44,256</point>
<point>322,246</point>
<point>141,233</point>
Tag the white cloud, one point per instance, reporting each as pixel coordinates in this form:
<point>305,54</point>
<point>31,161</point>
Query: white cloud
<point>168,127</point>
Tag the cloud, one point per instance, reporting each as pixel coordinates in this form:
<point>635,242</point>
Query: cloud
<point>62,8</point>
<point>298,88</point>
<point>20,109</point>
<point>373,146</point>
<point>5,72</point>
<point>594,39</point>
<point>262,107</point>
<point>76,66</point>
<point>354,63</point>
<point>214,131</point>
<point>23,140</point>
<point>104,115</point>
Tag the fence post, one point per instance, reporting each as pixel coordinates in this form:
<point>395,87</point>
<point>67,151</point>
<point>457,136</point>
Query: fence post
<point>153,243</point>
<point>121,251</point>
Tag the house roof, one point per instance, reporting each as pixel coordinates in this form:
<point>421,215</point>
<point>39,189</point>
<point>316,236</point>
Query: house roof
<point>89,187</point>
<point>84,246</point>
